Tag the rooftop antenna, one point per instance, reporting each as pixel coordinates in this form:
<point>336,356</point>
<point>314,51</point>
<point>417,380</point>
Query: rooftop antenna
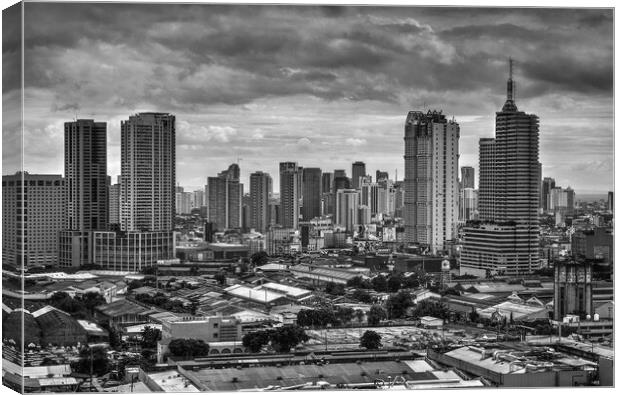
<point>511,84</point>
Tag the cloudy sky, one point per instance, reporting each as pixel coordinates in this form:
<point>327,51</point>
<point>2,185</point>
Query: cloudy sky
<point>323,86</point>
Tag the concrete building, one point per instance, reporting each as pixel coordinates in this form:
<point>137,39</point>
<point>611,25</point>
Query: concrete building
<point>282,241</point>
<point>327,182</point>
<point>33,214</point>
<point>114,203</point>
<point>311,194</point>
<point>347,204</point>
<point>547,185</point>
<point>468,204</point>
<point>468,177</point>
<point>382,175</point>
<point>130,251</point>
<point>610,201</point>
<point>225,195</point>
<point>431,179</point>
<point>508,196</point>
<point>260,190</point>
<point>358,170</point>
<point>572,289</point>
<point>289,194</point>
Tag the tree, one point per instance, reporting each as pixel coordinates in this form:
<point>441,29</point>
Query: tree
<point>398,304</point>
<point>334,289</point>
<point>359,314</point>
<point>430,308</point>
<point>149,270</point>
<point>150,337</point>
<point>188,348</point>
<point>92,300</point>
<point>376,314</point>
<point>285,337</point>
<point>100,361</point>
<point>393,283</point>
<point>259,258</point>
<point>473,315</point>
<point>359,283</point>
<point>371,340</point>
<point>379,283</point>
<point>134,284</point>
<point>255,341</point>
<point>344,315</point>
<point>362,296</point>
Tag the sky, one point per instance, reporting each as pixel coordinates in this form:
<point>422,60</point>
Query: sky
<point>322,86</point>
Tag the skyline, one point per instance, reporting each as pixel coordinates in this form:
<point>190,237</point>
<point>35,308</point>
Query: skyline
<point>295,82</point>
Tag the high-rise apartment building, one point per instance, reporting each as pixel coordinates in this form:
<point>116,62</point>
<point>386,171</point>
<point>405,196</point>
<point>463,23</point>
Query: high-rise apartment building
<point>148,174</point>
<point>381,175</point>
<point>508,242</point>
<point>347,205</point>
<point>468,177</point>
<point>327,182</point>
<point>86,189</point>
<point>289,194</point>
<point>431,179</point>
<point>358,170</point>
<point>260,190</point>
<point>114,203</point>
<point>311,193</point>
<point>225,194</point>
<point>86,175</point>
<point>547,185</point>
<point>468,204</point>
<point>33,214</point>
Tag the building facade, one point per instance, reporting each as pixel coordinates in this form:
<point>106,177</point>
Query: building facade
<point>261,187</point>
<point>468,177</point>
<point>311,194</point>
<point>347,205</point>
<point>33,214</point>
<point>289,194</point>
<point>431,179</point>
<point>148,174</point>
<point>358,170</point>
<point>511,196</point>
<point>130,251</point>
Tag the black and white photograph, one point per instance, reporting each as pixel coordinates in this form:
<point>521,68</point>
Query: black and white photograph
<point>226,196</point>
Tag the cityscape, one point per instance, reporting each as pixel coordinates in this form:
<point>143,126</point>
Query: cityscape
<point>201,197</point>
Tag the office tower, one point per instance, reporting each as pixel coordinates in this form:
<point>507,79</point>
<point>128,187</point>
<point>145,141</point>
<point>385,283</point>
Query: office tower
<point>33,212</point>
<point>289,194</point>
<point>225,194</point>
<point>509,244</point>
<point>431,179</point>
<point>468,177</point>
<point>539,182</point>
<point>246,203</point>
<point>486,187</point>
<point>148,174</point>
<point>199,198</point>
<point>364,215</point>
<point>358,170</point>
<point>340,173</point>
<point>327,182</point>
<point>311,194</point>
<point>86,175</point>
<point>610,201</point>
<point>184,202</point>
<point>399,199</point>
<point>347,204</point>
<point>114,203</point>
<point>260,190</point>
<point>275,212</point>
<point>341,182</point>
<point>381,175</point>
<point>328,201</point>
<point>547,185</point>
<point>468,204</point>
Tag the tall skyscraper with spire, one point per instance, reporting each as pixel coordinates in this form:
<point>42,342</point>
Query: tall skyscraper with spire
<point>431,202</point>
<point>508,238</point>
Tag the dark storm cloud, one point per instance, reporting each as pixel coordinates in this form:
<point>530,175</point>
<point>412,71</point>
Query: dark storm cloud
<point>243,73</point>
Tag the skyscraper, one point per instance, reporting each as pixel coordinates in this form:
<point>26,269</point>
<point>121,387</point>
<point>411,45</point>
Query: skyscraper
<point>381,175</point>
<point>358,169</point>
<point>347,205</point>
<point>510,242</point>
<point>486,187</point>
<point>86,196</point>
<point>225,194</point>
<point>431,179</point>
<point>311,194</point>
<point>260,190</point>
<point>86,175</point>
<point>114,204</point>
<point>547,185</point>
<point>148,174</point>
<point>289,194</point>
<point>327,182</point>
<point>468,177</point>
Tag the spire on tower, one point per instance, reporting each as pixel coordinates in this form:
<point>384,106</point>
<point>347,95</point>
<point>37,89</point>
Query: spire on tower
<point>510,90</point>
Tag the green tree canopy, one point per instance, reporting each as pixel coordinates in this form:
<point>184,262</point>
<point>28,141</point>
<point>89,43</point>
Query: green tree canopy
<point>370,340</point>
